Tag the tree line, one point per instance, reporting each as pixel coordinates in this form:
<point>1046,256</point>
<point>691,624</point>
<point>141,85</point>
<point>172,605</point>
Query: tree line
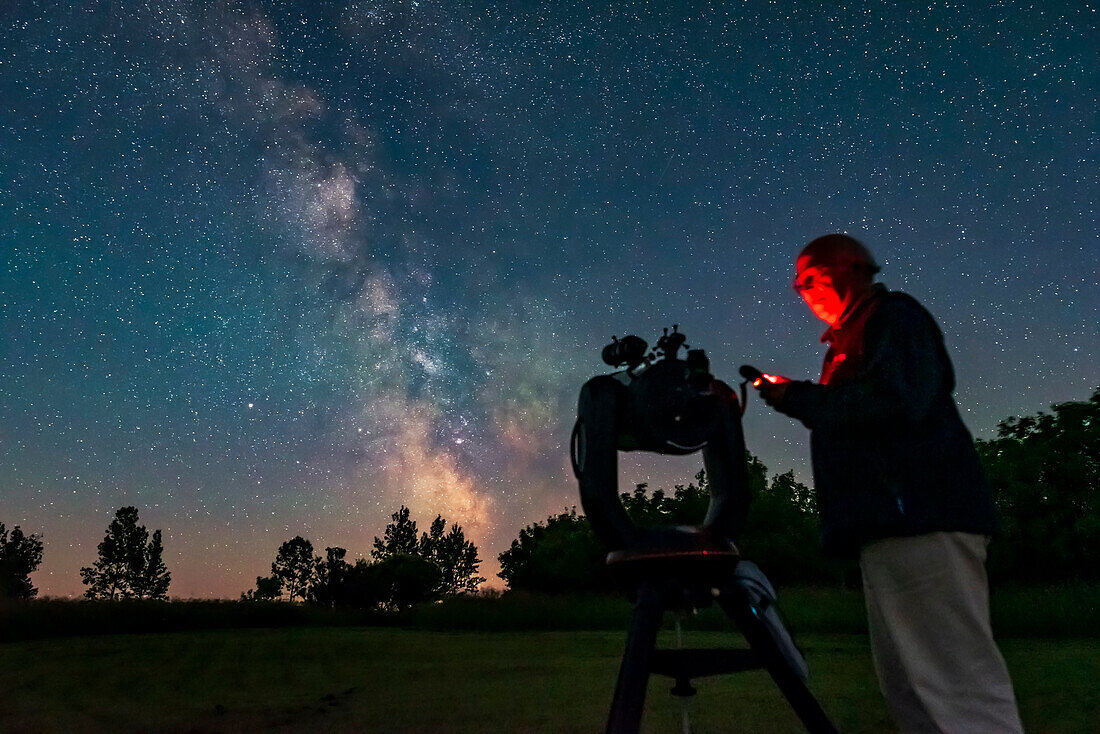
<point>404,569</point>
<point>1044,470</point>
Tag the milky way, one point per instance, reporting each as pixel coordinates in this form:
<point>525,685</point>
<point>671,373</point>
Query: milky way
<point>277,269</point>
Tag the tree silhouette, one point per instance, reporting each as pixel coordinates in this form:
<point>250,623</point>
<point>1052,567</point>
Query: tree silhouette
<point>685,506</point>
<point>129,566</point>
<point>399,537</point>
<point>402,580</point>
<point>330,585</point>
<point>560,555</point>
<point>268,588</point>
<point>781,532</point>
<point>454,556</point>
<point>295,567</point>
<point>403,570</point>
<point>363,586</point>
<point>20,555</point>
<point>151,582</point>
<point>449,551</point>
<point>1045,471</point>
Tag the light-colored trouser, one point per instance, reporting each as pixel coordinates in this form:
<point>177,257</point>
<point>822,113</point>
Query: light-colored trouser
<point>928,612</point>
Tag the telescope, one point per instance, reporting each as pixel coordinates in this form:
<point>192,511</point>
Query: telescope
<point>660,403</point>
<point>666,405</point>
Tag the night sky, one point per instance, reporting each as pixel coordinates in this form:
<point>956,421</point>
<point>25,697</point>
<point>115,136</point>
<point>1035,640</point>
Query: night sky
<point>275,269</point>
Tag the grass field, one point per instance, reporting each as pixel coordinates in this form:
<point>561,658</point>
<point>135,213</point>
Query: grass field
<point>390,680</point>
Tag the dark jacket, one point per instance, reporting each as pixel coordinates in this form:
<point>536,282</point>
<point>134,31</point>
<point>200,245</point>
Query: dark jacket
<point>891,455</point>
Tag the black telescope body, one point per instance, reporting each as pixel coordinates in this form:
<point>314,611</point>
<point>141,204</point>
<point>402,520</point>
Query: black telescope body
<point>667,406</point>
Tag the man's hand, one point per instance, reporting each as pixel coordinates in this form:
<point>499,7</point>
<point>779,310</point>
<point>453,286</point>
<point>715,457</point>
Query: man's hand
<point>774,394</point>
<point>773,388</point>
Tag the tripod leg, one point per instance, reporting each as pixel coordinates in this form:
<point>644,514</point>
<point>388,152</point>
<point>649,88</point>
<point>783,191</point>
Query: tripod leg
<point>630,690</point>
<point>738,607</point>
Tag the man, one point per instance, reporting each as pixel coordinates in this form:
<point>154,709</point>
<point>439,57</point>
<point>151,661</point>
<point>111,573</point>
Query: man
<point>899,485</point>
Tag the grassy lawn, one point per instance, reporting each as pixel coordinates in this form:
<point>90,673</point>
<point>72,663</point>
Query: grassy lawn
<point>387,680</point>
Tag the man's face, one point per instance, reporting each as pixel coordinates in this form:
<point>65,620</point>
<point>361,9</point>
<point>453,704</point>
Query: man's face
<point>823,288</point>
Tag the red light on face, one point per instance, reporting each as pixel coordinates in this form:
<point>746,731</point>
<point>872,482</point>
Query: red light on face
<point>815,283</point>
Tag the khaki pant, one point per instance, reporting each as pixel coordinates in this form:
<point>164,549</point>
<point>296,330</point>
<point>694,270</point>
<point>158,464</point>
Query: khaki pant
<point>928,611</point>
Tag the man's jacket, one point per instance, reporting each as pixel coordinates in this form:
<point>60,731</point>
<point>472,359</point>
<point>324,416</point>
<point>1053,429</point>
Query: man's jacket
<point>891,455</point>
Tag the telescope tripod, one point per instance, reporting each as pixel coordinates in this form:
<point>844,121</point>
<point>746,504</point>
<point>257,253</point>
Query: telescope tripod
<point>656,590</point>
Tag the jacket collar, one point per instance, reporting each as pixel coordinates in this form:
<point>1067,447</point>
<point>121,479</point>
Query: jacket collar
<point>876,291</point>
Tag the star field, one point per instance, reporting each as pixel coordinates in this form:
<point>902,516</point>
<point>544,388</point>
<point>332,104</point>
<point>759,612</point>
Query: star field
<point>277,269</point>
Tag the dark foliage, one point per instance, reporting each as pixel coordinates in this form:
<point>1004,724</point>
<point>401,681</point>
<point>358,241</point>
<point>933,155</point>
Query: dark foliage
<point>562,555</point>
<point>328,585</point>
<point>404,580</point>
<point>20,555</point>
<point>268,588</point>
<point>453,556</point>
<point>295,568</point>
<point>781,534</point>
<point>130,564</point>
<point>1045,473</point>
<point>404,570</point>
<point>361,587</point>
<point>399,537</point>
<point>685,506</point>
